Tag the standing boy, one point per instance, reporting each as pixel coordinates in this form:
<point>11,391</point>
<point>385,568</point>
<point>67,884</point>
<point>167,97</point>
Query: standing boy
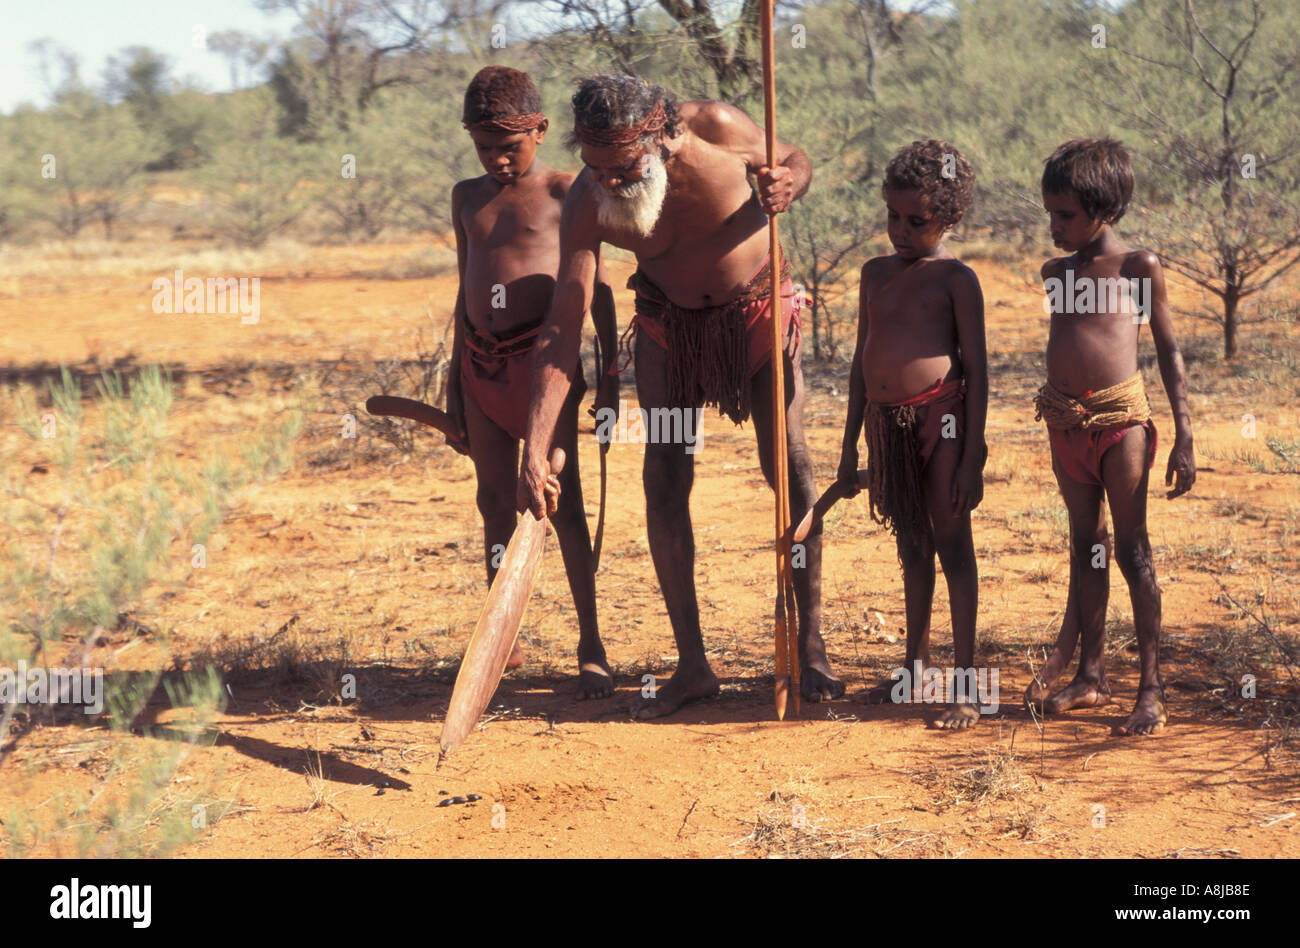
<point>507,225</point>
<point>921,380</point>
<point>1099,420</point>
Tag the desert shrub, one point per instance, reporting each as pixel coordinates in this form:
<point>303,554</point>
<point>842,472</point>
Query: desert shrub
<point>108,517</point>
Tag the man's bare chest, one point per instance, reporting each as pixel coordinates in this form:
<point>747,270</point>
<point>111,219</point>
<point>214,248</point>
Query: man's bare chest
<point>696,221</point>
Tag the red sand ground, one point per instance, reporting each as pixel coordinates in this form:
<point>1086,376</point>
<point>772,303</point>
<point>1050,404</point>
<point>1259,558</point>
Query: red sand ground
<point>386,557</point>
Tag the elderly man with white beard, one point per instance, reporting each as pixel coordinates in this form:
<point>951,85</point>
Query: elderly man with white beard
<point>670,182</point>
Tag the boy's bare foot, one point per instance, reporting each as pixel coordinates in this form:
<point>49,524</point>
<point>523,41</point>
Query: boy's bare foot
<point>1149,714</point>
<point>685,685</point>
<point>594,681</point>
<point>516,656</point>
<point>1080,693</point>
<point>1036,694</point>
<point>816,683</point>
<point>882,693</point>
<point>958,717</point>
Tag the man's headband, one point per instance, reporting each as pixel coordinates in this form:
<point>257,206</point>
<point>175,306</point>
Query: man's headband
<point>626,136</point>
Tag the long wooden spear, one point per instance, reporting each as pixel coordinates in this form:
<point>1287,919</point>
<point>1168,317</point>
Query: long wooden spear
<point>787,619</point>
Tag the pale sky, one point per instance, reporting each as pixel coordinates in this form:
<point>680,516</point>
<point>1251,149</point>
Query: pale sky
<point>96,29</point>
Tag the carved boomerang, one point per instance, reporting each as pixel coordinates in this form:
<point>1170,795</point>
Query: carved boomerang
<point>415,411</point>
<point>498,625</point>
<point>835,493</point>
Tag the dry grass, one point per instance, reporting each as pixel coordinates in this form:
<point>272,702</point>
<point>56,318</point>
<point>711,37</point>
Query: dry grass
<point>293,655</point>
<point>1000,785</point>
<point>358,840</point>
<point>792,824</point>
<point>779,839</point>
<point>342,441</point>
<point>56,261</point>
<point>315,776</point>
<point>999,777</point>
<point>423,264</point>
<point>1040,572</point>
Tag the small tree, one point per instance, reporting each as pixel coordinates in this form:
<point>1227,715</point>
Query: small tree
<point>344,53</point>
<point>1221,127</point>
<point>378,174</point>
<point>435,152</point>
<point>953,79</point>
<point>13,188</point>
<point>257,181</point>
<point>827,109</point>
<point>175,117</point>
<point>86,162</point>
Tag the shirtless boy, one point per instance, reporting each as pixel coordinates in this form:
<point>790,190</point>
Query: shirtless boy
<point>1099,420</point>
<point>920,381</point>
<point>507,225</point>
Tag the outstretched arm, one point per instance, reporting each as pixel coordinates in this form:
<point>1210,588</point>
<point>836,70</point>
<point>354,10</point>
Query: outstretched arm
<point>559,341</point>
<point>1181,471</point>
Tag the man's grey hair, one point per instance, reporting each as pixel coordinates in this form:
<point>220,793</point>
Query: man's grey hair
<point>614,101</point>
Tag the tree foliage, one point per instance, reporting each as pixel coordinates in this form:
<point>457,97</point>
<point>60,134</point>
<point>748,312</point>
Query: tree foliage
<point>1209,91</point>
<point>1201,92</point>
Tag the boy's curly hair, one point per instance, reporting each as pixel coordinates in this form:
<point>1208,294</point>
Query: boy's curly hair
<point>498,93</point>
<point>1097,171</point>
<point>940,172</point>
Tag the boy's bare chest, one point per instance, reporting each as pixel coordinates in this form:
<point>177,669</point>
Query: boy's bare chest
<point>1101,291</point>
<point>1095,306</point>
<point>910,305</point>
<point>525,223</point>
<point>1101,332</point>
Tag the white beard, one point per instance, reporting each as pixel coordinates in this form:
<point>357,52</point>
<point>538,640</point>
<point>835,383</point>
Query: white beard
<point>636,206</point>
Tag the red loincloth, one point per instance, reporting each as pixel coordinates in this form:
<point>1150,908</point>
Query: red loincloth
<point>1080,450</point>
<point>496,372</point>
<point>940,399</point>
<point>901,438</point>
<point>704,369</point>
<point>1082,429</point>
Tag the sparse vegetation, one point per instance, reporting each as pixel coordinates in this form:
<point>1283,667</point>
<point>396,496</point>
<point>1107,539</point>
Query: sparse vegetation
<point>106,519</point>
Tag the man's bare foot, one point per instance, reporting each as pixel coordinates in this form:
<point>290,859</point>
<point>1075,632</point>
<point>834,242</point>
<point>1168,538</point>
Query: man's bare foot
<point>958,717</point>
<point>516,656</point>
<point>594,681</point>
<point>1149,714</point>
<point>684,686</point>
<point>817,684</point>
<point>1080,693</point>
